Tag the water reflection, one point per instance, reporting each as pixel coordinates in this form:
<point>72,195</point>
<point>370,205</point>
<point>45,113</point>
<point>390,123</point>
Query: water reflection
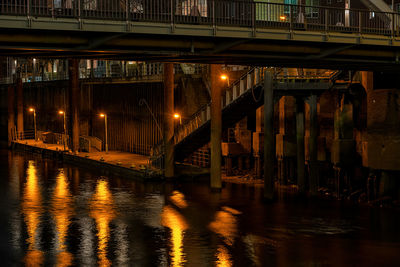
<point>225,225</point>
<point>103,211</point>
<point>62,210</point>
<point>178,199</point>
<point>51,217</point>
<point>32,209</point>
<point>223,257</point>
<point>176,222</point>
<point>15,169</point>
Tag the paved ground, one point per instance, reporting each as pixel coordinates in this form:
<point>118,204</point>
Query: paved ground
<point>124,159</point>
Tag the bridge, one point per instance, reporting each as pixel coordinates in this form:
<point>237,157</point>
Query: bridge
<point>242,98</point>
<point>233,32</point>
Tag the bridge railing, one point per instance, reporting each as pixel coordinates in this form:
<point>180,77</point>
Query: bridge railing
<point>247,82</point>
<point>239,13</point>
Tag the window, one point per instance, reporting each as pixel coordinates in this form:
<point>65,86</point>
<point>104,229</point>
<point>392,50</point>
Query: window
<point>312,12</point>
<point>287,8</point>
<point>371,15</point>
<point>397,8</point>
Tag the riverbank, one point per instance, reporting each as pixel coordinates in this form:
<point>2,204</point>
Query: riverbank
<point>127,165</point>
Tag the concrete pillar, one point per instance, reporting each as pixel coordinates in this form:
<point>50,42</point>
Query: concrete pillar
<point>169,119</point>
<point>11,117</point>
<point>313,142</point>
<point>367,80</point>
<point>269,144</point>
<point>216,127</point>
<point>300,144</point>
<point>20,106</point>
<point>74,102</point>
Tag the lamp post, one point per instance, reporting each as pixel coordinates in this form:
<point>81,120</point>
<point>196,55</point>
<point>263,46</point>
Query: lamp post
<point>34,120</point>
<point>105,128</point>
<point>65,128</point>
<point>225,77</point>
<point>178,116</point>
<point>34,70</point>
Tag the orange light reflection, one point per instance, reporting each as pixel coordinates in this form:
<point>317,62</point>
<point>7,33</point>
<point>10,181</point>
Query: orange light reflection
<point>32,209</point>
<point>174,220</point>
<point>223,257</point>
<point>178,199</point>
<point>103,211</point>
<point>62,212</point>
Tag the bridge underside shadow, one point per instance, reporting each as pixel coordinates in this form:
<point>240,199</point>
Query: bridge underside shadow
<point>195,45</point>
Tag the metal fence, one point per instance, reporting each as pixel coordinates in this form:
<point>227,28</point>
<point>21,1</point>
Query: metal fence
<point>254,77</point>
<point>251,14</point>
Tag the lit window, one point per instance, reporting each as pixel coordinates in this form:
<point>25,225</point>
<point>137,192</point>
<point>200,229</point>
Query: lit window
<point>371,15</point>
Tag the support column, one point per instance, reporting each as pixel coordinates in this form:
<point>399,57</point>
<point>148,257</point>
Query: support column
<point>269,147</point>
<point>20,107</point>
<point>300,144</point>
<point>169,119</point>
<point>74,103</point>
<point>216,127</point>
<point>313,145</point>
<point>11,116</point>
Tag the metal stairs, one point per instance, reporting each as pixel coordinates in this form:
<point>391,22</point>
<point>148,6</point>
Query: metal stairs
<point>241,99</point>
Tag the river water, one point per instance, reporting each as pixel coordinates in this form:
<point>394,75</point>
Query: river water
<point>55,214</point>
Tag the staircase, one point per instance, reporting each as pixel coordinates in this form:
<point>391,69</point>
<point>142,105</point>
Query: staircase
<point>239,100</point>
<point>377,5</point>
<point>383,11</point>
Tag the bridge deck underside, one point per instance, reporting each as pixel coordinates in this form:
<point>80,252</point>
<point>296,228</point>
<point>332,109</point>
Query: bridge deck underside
<point>47,37</point>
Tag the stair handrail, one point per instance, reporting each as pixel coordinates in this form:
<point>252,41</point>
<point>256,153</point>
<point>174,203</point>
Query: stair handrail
<point>184,130</point>
<point>256,75</point>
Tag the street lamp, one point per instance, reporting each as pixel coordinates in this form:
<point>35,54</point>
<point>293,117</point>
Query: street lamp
<point>178,116</point>
<point>34,120</point>
<point>102,115</point>
<point>61,112</point>
<point>225,77</point>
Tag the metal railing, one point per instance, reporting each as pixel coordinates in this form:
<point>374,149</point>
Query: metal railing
<point>250,14</point>
<point>250,80</point>
<point>25,135</point>
<point>139,72</point>
<point>246,82</point>
<point>200,157</point>
<point>52,138</point>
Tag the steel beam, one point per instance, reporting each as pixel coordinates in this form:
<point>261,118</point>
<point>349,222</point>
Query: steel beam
<point>269,136</point>
<point>216,127</point>
<point>20,106</point>
<point>169,119</point>
<point>74,96</point>
<point>11,116</point>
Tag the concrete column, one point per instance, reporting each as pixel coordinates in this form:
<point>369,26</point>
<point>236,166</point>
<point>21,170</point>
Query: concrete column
<point>367,79</point>
<point>20,106</point>
<point>169,119</point>
<point>300,144</point>
<point>11,116</point>
<point>269,144</point>
<point>313,145</point>
<point>74,102</point>
<point>216,127</point>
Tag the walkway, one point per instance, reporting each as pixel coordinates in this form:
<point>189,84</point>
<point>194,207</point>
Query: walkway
<point>235,32</point>
<point>117,158</point>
